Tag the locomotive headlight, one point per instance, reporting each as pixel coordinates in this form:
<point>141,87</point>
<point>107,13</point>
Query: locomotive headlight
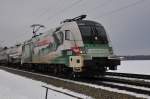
<point>78,50</point>
<point>82,50</point>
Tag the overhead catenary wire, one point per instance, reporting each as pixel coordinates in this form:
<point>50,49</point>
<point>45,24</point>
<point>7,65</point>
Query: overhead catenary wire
<point>71,6</point>
<point>99,6</point>
<point>120,9</point>
<point>64,9</point>
<point>47,10</point>
<point>59,12</point>
<point>75,4</point>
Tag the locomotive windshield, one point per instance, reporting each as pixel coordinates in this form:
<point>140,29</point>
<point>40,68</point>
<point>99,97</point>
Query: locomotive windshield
<point>92,32</point>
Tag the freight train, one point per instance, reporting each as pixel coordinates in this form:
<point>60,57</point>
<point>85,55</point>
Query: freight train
<point>76,47</point>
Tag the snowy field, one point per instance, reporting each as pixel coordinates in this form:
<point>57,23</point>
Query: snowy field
<point>16,87</point>
<point>135,66</point>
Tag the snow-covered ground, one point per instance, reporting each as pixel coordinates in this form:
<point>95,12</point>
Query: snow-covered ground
<point>134,66</point>
<point>16,87</point>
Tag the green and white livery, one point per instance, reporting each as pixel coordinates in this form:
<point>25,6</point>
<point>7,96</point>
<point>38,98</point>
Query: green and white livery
<point>77,46</point>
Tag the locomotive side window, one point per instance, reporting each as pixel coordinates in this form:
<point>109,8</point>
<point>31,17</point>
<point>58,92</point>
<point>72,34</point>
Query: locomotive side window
<point>67,35</point>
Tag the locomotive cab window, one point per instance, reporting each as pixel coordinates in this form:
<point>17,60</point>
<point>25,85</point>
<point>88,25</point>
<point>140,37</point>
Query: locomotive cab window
<point>92,33</point>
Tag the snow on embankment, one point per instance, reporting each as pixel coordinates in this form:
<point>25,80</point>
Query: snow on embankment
<point>134,66</point>
<point>17,87</point>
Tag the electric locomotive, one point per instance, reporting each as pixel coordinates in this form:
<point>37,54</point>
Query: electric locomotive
<point>77,46</point>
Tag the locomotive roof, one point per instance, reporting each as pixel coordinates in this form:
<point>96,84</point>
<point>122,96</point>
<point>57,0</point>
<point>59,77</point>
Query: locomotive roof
<point>79,22</point>
<point>88,22</point>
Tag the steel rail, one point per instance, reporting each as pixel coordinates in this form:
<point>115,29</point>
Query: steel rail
<point>125,81</point>
<point>139,76</point>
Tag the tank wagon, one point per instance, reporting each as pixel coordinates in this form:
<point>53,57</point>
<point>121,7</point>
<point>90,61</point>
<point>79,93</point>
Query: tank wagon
<point>11,55</point>
<point>3,56</point>
<point>14,54</point>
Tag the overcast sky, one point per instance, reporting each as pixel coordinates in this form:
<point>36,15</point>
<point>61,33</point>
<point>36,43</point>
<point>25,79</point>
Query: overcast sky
<point>126,21</point>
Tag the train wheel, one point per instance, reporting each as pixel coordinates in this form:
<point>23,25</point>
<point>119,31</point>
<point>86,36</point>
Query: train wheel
<point>55,71</point>
<point>75,75</point>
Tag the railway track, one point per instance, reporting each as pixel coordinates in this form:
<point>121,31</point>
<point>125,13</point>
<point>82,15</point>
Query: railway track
<point>137,83</point>
<point>139,76</point>
<point>129,85</point>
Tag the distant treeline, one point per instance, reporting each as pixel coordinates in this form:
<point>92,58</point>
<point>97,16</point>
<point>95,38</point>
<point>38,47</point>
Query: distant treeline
<point>136,57</point>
